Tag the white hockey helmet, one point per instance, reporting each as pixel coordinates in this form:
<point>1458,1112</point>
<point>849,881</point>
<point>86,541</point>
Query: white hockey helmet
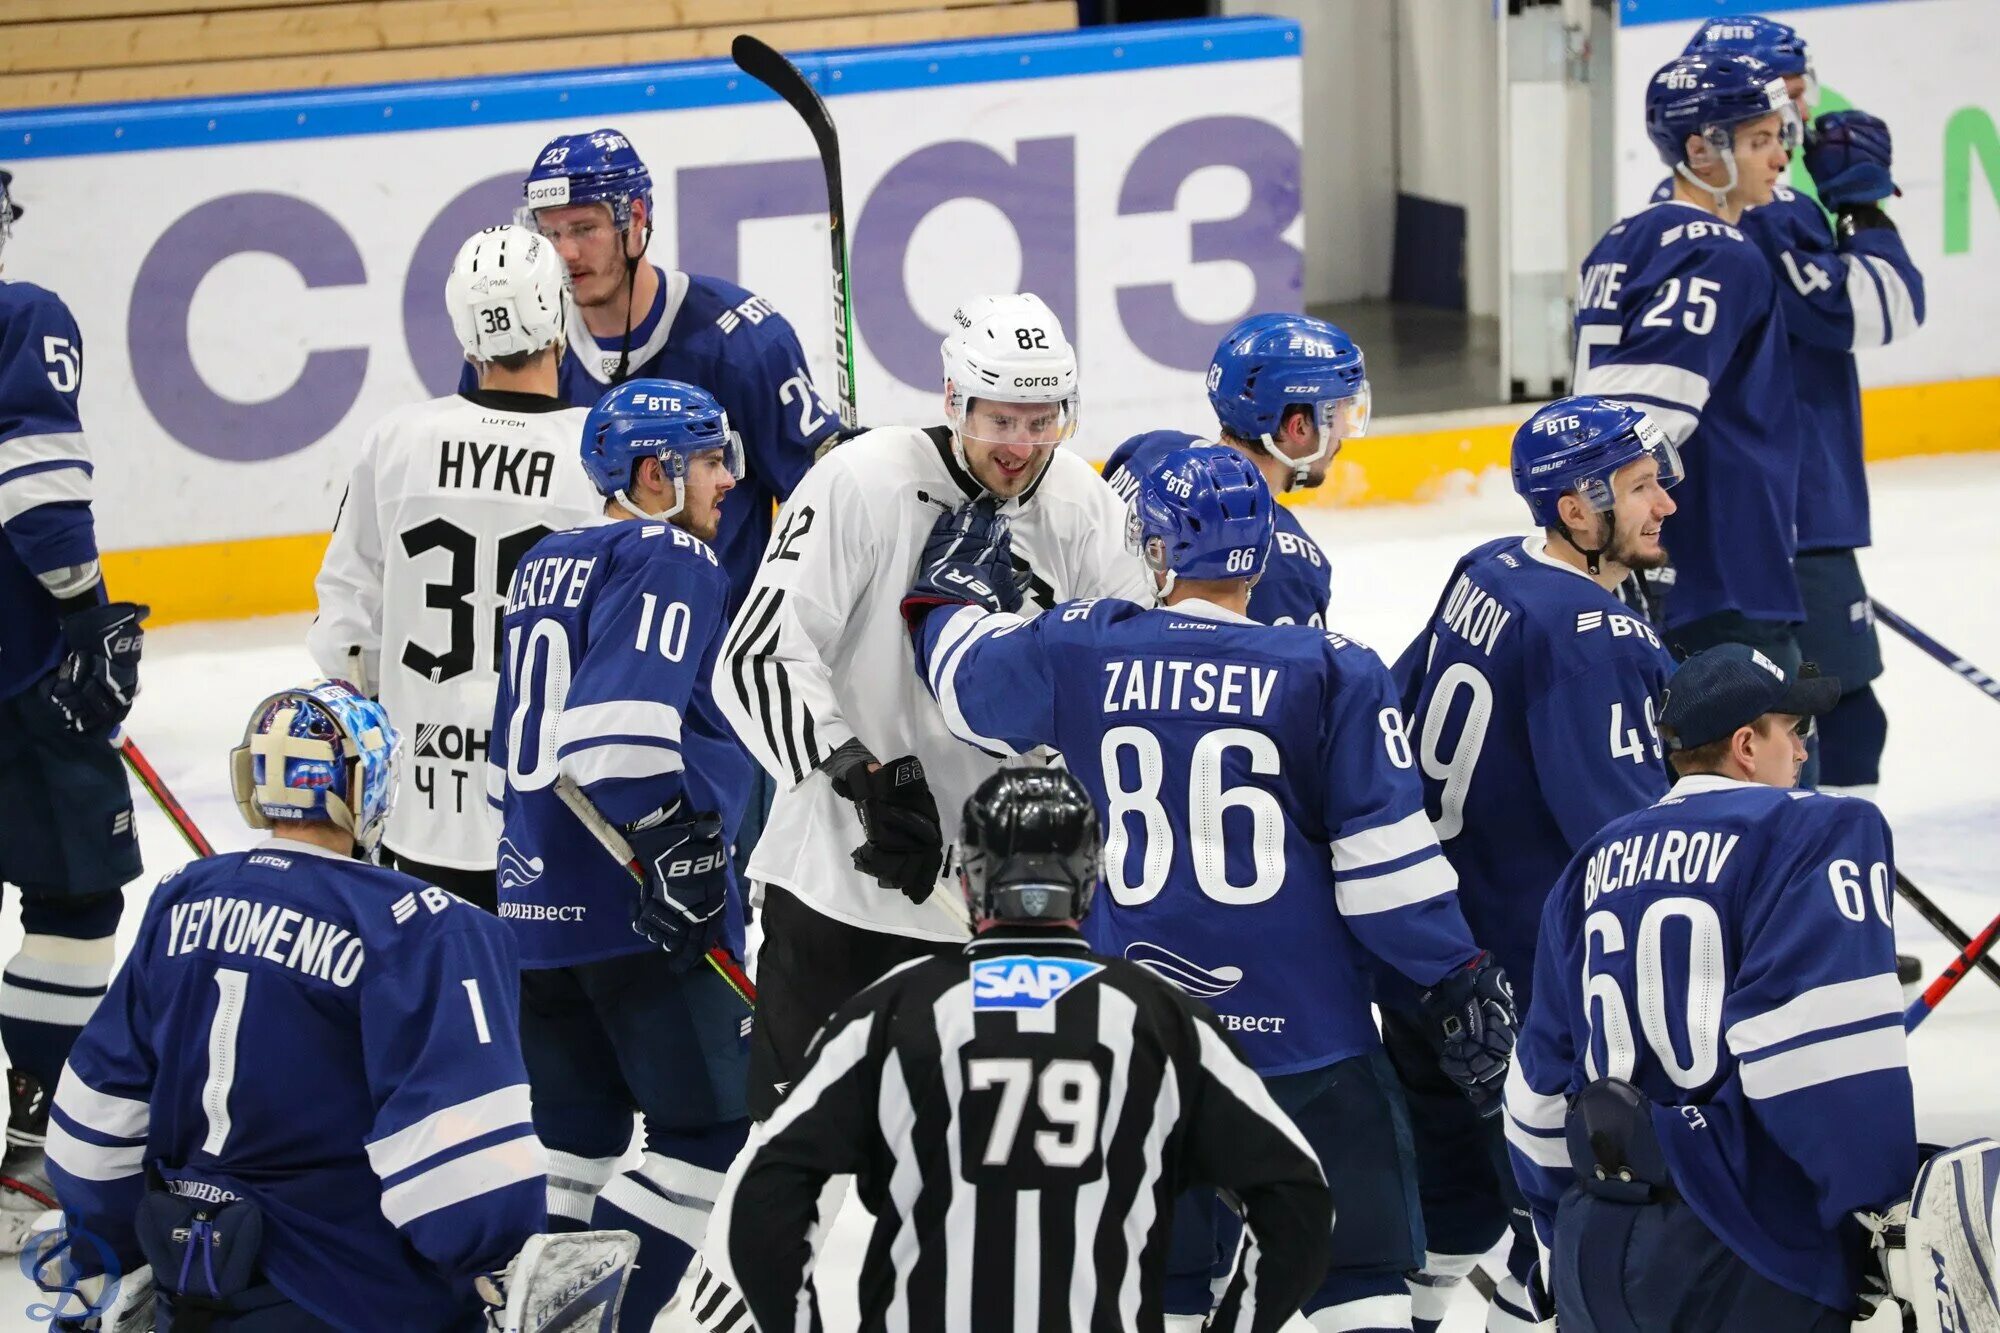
<point>506,294</point>
<point>1009,349</point>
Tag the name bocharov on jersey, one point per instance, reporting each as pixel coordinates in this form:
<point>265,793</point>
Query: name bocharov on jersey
<point>446,498</point>
<point>819,653</point>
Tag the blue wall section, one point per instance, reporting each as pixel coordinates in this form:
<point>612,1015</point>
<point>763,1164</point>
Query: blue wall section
<point>387,108</point>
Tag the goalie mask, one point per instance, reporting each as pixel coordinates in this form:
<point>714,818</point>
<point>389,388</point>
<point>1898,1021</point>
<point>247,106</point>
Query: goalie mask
<point>321,754</point>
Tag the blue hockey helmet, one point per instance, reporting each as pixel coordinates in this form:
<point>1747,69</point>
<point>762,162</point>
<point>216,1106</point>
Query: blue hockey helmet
<point>1202,512</point>
<point>652,418</point>
<point>1574,446</point>
<point>1709,95</point>
<point>600,167</point>
<point>1271,362</point>
<point>1776,44</point>
<point>325,754</point>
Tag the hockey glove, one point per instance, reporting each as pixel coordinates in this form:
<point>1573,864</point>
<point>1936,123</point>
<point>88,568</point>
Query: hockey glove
<point>94,686</point>
<point>1472,1014</point>
<point>903,847</point>
<point>1848,155</point>
<point>968,560</point>
<point>686,863</point>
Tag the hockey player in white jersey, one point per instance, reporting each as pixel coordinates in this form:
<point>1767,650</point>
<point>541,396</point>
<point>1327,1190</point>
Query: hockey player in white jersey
<point>445,499</point>
<point>816,674</point>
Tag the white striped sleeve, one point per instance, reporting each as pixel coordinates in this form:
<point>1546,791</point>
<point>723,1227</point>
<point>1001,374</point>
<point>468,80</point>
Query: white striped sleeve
<point>1671,396</point>
<point>424,1166</point>
<point>80,1116</point>
<point>967,626</point>
<point>1884,309</point>
<point>467,1177</point>
<point>1809,1040</point>
<point>620,738</point>
<point>1535,1121</point>
<point>1392,866</point>
<point>27,484</point>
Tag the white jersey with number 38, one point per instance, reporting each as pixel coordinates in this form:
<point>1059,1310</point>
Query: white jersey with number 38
<point>446,497</point>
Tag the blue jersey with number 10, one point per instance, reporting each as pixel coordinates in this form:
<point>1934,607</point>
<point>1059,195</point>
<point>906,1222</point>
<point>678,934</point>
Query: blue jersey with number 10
<point>1264,829</point>
<point>611,634</point>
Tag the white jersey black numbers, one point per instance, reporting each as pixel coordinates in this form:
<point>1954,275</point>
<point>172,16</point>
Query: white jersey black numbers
<point>445,499</point>
<point>819,653</point>
<point>1020,1119</point>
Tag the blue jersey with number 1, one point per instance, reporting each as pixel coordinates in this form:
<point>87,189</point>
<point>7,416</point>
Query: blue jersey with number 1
<point>610,634</point>
<point>1264,828</point>
<point>45,476</point>
<point>1678,315</point>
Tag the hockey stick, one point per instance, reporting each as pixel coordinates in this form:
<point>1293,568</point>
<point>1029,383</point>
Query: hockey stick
<point>611,840</point>
<point>1954,972</point>
<point>1971,674</point>
<point>1943,924</point>
<point>150,779</point>
<point>781,76</point>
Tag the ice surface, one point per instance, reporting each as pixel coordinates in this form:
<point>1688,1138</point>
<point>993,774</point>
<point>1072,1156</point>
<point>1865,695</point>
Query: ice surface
<point>1936,561</point>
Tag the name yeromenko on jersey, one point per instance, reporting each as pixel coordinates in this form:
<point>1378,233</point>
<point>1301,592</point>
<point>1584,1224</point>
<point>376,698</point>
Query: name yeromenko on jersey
<point>282,935</point>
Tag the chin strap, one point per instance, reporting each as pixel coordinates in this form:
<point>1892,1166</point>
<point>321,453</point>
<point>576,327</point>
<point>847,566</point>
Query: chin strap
<point>631,295</point>
<point>624,498</point>
<point>1721,196</point>
<point>1592,557</point>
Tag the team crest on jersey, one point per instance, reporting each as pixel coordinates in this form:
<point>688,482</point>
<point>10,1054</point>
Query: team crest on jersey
<point>517,871</point>
<point>1184,973</point>
<point>1025,981</point>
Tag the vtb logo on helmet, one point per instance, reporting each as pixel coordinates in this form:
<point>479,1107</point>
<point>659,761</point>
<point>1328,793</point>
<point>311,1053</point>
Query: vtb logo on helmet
<point>654,418</point>
<point>597,167</point>
<point>1270,364</point>
<point>1202,512</point>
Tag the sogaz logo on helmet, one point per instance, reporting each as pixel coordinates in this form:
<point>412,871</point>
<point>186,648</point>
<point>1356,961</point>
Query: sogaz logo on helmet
<point>1038,381</point>
<point>1025,981</point>
<point>550,193</point>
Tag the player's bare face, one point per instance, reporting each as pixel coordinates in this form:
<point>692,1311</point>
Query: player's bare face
<point>1777,750</point>
<point>1008,444</point>
<point>1641,506</point>
<point>708,480</point>
<point>1761,159</point>
<point>592,247</point>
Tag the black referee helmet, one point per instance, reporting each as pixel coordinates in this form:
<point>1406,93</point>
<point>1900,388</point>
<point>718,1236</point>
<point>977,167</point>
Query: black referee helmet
<point>1029,848</point>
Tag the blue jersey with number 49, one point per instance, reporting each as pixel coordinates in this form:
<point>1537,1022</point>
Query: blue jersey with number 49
<point>610,635</point>
<point>1678,315</point>
<point>1530,701</point>
<point>1264,828</point>
<point>336,1043</point>
<point>1730,951</point>
<point>1294,589</point>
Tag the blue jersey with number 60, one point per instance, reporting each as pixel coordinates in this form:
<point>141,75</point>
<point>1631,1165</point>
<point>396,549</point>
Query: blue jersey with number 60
<point>1678,315</point>
<point>1264,828</point>
<point>335,1042</point>
<point>1529,699</point>
<point>610,635</point>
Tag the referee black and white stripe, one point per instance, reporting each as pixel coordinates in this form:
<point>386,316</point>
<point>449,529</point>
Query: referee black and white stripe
<point>1020,1118</point>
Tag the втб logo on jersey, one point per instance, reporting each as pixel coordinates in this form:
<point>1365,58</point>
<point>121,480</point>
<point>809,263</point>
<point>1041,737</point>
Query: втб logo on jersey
<point>1024,981</point>
<point>1191,977</point>
<point>517,871</point>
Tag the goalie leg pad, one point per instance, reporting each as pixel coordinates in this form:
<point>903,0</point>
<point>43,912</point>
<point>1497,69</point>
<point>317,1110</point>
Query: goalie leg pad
<point>1945,1268</point>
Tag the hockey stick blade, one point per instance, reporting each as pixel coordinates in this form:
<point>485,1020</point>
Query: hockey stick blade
<point>770,68</point>
<point>614,842</point>
<point>1954,972</point>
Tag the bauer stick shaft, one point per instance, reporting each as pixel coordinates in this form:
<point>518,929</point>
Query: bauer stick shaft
<point>1970,956</point>
<point>1958,666</point>
<point>612,841</point>
<point>1943,924</point>
<point>150,779</point>
<point>770,68</point>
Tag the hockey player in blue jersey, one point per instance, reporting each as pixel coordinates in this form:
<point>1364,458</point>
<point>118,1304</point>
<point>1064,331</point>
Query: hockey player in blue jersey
<point>303,1102</point>
<point>1287,390</point>
<point>1530,705</point>
<point>611,635</point>
<point>1847,283</point>
<point>1678,314</point>
<point>69,667</point>
<point>1264,831</point>
<point>1712,1078</point>
<point>592,195</point>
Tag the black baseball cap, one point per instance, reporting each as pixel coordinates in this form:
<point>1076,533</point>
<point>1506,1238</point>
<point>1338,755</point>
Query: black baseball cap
<point>1723,688</point>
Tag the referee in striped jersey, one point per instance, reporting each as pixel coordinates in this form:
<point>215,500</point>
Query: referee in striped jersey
<point>1020,1117</point>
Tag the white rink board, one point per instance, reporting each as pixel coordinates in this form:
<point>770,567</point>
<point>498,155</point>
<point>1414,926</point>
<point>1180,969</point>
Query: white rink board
<point>1926,67</point>
<point>245,311</point>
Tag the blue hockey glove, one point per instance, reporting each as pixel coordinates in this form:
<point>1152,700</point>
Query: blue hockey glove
<point>1472,1013</point>
<point>967,560</point>
<point>1848,155</point>
<point>94,686</point>
<point>686,863</point>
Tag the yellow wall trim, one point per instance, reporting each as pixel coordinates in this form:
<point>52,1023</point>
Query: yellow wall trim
<point>1416,459</point>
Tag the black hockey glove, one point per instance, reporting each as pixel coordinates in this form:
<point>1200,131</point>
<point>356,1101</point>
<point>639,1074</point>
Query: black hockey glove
<point>904,847</point>
<point>94,686</point>
<point>1472,1014</point>
<point>686,862</point>
<point>967,560</point>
